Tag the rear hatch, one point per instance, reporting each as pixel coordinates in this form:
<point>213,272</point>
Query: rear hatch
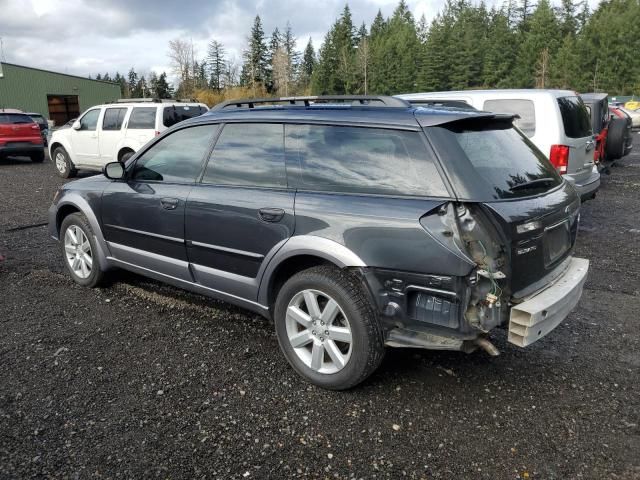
<point>534,211</point>
<point>578,136</point>
<point>17,128</point>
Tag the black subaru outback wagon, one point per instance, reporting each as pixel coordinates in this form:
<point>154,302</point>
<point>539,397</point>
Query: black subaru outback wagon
<point>355,223</point>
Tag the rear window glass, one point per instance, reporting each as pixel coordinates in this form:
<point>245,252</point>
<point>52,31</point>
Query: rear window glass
<point>575,117</point>
<point>174,114</point>
<point>523,108</point>
<point>362,160</point>
<point>15,118</point>
<point>493,160</point>
<point>143,118</point>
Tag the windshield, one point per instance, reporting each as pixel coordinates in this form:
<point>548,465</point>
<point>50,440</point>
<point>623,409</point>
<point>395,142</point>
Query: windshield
<point>177,113</point>
<point>492,160</point>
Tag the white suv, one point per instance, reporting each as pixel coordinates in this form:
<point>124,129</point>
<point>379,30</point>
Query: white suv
<point>115,131</point>
<point>556,121</point>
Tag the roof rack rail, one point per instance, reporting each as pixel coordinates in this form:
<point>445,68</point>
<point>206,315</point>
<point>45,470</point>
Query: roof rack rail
<point>364,100</point>
<point>137,100</point>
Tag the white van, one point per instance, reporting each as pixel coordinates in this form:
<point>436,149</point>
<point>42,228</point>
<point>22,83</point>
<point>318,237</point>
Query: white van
<point>556,121</point>
<point>114,132</point>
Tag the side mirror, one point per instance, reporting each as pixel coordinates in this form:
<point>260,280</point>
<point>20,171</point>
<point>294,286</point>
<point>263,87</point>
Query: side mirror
<point>76,125</point>
<point>113,170</point>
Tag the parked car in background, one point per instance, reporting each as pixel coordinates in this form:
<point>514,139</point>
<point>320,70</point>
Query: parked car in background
<point>115,131</point>
<point>412,227</point>
<point>620,137</point>
<point>556,121</point>
<point>43,124</point>
<point>634,115</point>
<point>598,106</point>
<point>20,136</point>
<point>632,105</point>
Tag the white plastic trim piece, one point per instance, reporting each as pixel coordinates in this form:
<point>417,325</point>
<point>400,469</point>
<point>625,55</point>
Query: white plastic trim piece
<point>540,313</point>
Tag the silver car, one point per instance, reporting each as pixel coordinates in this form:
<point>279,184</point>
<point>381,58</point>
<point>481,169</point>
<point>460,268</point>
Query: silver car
<point>556,121</point>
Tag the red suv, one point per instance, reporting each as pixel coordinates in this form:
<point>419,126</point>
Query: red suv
<point>20,136</point>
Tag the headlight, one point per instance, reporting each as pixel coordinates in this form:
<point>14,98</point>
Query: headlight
<point>56,195</point>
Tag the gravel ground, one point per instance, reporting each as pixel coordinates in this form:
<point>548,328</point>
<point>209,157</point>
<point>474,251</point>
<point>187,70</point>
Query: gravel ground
<point>143,380</point>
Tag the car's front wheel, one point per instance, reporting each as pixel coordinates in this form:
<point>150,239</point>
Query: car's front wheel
<point>327,328</point>
<point>79,249</point>
<point>64,166</point>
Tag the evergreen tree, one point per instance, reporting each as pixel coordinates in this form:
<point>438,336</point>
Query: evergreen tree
<point>132,82</point>
<point>568,18</point>
<point>500,52</point>
<point>162,88</point>
<point>543,33</point>
<point>106,77</point>
<point>254,70</point>
<point>335,72</point>
<point>293,56</point>
<point>308,64</point>
<point>216,62</point>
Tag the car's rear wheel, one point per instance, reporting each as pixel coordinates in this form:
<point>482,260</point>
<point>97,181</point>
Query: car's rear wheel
<point>37,157</point>
<point>64,166</point>
<point>79,249</point>
<point>327,328</point>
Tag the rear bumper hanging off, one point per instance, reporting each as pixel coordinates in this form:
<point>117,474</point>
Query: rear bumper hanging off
<point>540,313</point>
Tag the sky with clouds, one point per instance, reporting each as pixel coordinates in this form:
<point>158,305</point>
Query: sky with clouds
<point>86,37</point>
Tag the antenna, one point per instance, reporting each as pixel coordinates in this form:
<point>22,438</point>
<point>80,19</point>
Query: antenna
<point>2,59</point>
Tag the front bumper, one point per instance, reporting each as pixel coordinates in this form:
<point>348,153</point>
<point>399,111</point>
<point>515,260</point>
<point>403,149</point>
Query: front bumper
<point>540,313</point>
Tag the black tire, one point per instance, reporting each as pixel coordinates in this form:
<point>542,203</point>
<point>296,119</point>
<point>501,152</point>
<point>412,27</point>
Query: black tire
<point>37,157</point>
<point>367,344</point>
<point>614,148</point>
<point>97,275</point>
<point>126,156</point>
<point>66,169</point>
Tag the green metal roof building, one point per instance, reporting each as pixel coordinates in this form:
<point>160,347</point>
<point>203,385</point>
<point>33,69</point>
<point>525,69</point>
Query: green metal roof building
<point>58,96</point>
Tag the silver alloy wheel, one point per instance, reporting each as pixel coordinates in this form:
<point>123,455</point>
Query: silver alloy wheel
<point>61,163</point>
<point>319,331</point>
<point>77,249</point>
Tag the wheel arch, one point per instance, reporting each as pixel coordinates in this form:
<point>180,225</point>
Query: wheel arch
<point>74,203</point>
<point>300,253</point>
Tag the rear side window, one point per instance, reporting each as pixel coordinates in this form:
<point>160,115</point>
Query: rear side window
<point>575,117</point>
<point>143,118</point>
<point>523,108</point>
<point>177,157</point>
<point>174,114</point>
<point>113,118</point>
<point>14,118</point>
<point>492,160</point>
<point>248,155</point>
<point>362,160</point>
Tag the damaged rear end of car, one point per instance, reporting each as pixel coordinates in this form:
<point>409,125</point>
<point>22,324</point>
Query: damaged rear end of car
<point>512,226</point>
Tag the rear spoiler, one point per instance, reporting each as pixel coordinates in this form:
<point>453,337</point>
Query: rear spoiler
<point>431,117</point>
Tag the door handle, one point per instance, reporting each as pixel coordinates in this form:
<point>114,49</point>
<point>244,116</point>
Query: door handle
<point>271,215</point>
<point>169,203</point>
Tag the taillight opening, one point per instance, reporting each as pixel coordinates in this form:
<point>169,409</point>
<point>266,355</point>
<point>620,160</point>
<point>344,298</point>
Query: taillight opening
<point>560,158</point>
